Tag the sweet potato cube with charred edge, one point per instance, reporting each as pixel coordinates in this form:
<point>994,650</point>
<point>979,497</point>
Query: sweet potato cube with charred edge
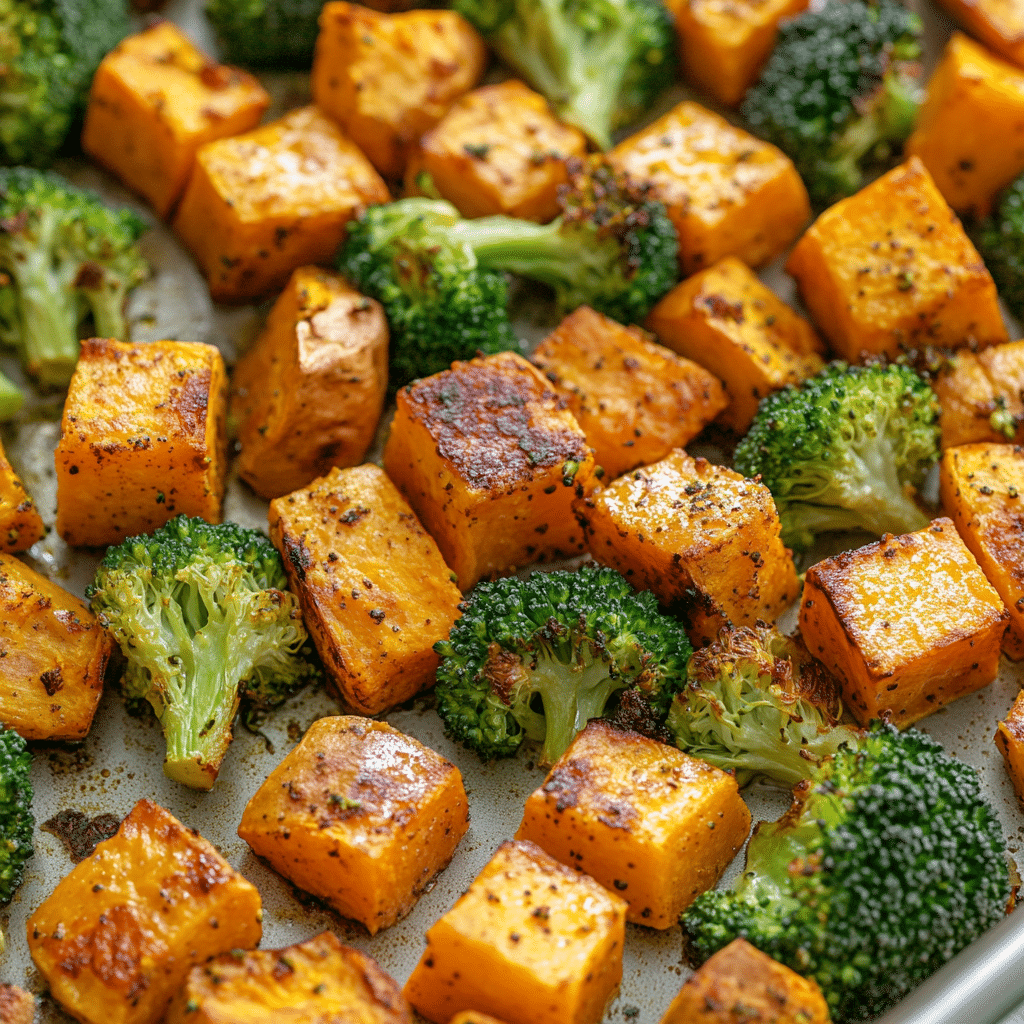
<point>16,1005</point>
<point>982,488</point>
<point>143,439</point>
<point>726,320</point>
<point>319,981</point>
<point>473,1017</point>
<point>155,100</point>
<point>997,23</point>
<point>982,395</point>
<point>891,269</point>
<point>310,392</point>
<point>375,592</point>
<point>53,654</point>
<point>360,815</point>
<point>491,461</point>
<point>727,192</point>
<point>706,541</point>
<point>973,98</point>
<point>261,204</point>
<point>723,44</point>
<point>1009,739</point>
<point>21,525</point>
<point>906,624</point>
<point>634,400</point>
<point>499,150</point>
<point>118,936</point>
<point>742,985</point>
<point>388,78</point>
<point>650,823</point>
<point>531,941</point>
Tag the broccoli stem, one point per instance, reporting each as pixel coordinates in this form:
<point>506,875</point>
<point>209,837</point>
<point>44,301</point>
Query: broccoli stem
<point>11,398</point>
<point>107,305</point>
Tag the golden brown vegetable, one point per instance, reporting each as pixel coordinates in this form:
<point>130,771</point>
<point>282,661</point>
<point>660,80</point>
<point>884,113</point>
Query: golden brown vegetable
<point>16,1005</point>
<point>360,815</point>
<point>21,525</point>
<point>473,1017</point>
<point>1009,739</point>
<point>997,23</point>
<point>143,439</point>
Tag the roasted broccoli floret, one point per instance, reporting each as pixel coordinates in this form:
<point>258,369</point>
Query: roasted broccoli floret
<point>540,657</point>
<point>16,821</point>
<point>50,50</point>
<point>266,33</point>
<point>840,92</point>
<point>11,398</point>
<point>1000,240</point>
<point>63,256</point>
<point>756,703</point>
<point>600,63</point>
<point>845,451</point>
<point>888,862</point>
<point>200,613</point>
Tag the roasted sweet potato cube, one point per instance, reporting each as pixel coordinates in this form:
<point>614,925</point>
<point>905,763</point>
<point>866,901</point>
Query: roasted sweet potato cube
<point>261,204</point>
<point>491,462</point>
<point>360,815</point>
<point>742,985</point>
<point>727,192</point>
<point>499,150</point>
<point>891,269</point>
<point>473,1017</point>
<point>318,981</point>
<point>53,654</point>
<point>118,936</point>
<point>648,822</point>
<point>706,541</point>
<point>143,439</point>
<point>634,400</point>
<point>1009,739</point>
<point>375,592</point>
<point>997,23</point>
<point>906,624</point>
<point>155,100</point>
<point>531,940</point>
<point>973,98</point>
<point>16,1005</point>
<point>726,320</point>
<point>21,525</point>
<point>388,78</point>
<point>310,392</point>
<point>723,44</point>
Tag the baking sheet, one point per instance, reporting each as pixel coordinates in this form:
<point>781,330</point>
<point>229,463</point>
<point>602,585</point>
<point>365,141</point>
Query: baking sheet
<point>121,760</point>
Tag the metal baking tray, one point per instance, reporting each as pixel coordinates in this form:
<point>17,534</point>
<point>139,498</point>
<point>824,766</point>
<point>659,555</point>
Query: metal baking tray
<point>120,761</point>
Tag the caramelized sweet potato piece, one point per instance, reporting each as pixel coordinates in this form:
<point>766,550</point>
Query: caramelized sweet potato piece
<point>1009,739</point>
<point>997,23</point>
<point>21,525</point>
<point>16,1005</point>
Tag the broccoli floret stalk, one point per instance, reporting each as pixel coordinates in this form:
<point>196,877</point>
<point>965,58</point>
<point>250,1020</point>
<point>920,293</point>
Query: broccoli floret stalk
<point>845,451</point>
<point>1000,239</point>
<point>599,64</point>
<point>756,703</point>
<point>538,658</point>
<point>840,92</point>
<point>888,862</point>
<point>16,821</point>
<point>63,255</point>
<point>277,34</point>
<point>11,398</point>
<point>199,611</point>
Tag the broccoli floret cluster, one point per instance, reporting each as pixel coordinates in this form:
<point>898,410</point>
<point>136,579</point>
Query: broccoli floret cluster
<point>538,658</point>
<point>840,92</point>
<point>277,34</point>
<point>16,821</point>
<point>64,256</point>
<point>887,864</point>
<point>845,451</point>
<point>201,613</point>
<point>599,64</point>
<point>1000,240</point>
<point>756,703</point>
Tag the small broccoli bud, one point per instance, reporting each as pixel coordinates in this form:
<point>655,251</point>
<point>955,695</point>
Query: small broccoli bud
<point>276,34</point>
<point>1000,240</point>
<point>16,821</point>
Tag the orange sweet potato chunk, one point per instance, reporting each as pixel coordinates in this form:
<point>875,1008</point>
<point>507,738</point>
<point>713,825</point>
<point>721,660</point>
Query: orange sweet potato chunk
<point>21,525</point>
<point>727,192</point>
<point>360,815</point>
<point>1009,739</point>
<point>906,624</point>
<point>997,23</point>
<point>891,268</point>
<point>263,203</point>
<point>634,400</point>
<point>473,1017</point>
<point>16,1005</point>
<point>155,100</point>
<point>143,439</point>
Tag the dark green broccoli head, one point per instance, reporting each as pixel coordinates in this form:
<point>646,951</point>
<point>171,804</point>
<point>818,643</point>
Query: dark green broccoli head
<point>277,34</point>
<point>756,703</point>
<point>540,657</point>
<point>887,864</point>
<point>200,611</point>
<point>1000,239</point>
<point>50,50</point>
<point>16,821</point>
<point>840,92</point>
<point>845,451</point>
<point>440,305</point>
<point>599,63</point>
<point>64,255</point>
